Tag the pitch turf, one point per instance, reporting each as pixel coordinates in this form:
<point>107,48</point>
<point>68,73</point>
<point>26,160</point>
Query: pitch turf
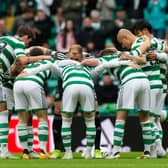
<point>127,160</point>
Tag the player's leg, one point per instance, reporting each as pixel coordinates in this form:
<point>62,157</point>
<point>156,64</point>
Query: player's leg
<point>57,123</point>
<point>119,132</point>
<point>87,102</point>
<point>38,104</point>
<point>4,128</point>
<point>42,116</point>
<point>67,135</point>
<point>69,103</point>
<point>159,120</point>
<point>97,152</point>
<point>29,127</point>
<point>30,131</point>
<point>32,153</point>
<point>23,132</point>
<point>90,133</point>
<point>143,103</point>
<point>146,133</point>
<point>155,108</point>
<point>21,106</point>
<point>123,106</point>
<point>159,147</point>
<point>10,106</point>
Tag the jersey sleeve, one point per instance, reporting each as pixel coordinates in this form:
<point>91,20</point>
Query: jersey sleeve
<point>56,70</point>
<point>107,65</point>
<point>68,62</point>
<point>35,68</point>
<point>105,59</point>
<point>161,56</point>
<point>157,44</point>
<point>135,52</point>
<point>20,50</point>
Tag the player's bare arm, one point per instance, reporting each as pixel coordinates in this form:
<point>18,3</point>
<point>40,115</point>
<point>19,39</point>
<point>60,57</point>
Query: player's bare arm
<point>22,61</point>
<point>90,62</point>
<point>133,65</point>
<point>146,45</point>
<point>138,59</point>
<point>26,60</point>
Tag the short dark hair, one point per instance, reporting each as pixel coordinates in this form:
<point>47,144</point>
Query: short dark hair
<point>142,24</point>
<point>26,30</point>
<point>35,51</point>
<point>108,51</point>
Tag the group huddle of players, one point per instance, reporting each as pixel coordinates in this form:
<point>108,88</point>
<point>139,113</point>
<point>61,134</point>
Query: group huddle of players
<point>141,71</point>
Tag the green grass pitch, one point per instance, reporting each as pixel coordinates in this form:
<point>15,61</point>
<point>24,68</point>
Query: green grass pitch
<point>127,160</point>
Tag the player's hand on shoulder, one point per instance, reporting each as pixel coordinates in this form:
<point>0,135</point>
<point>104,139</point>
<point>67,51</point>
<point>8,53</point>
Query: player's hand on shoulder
<point>125,56</point>
<point>151,55</point>
<point>90,62</point>
<point>147,40</point>
<point>133,65</point>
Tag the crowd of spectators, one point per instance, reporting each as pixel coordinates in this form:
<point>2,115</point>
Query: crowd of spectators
<point>91,23</point>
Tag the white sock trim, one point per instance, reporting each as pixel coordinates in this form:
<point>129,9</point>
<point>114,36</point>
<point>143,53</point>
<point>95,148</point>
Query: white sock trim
<point>90,122</point>
<point>66,122</point>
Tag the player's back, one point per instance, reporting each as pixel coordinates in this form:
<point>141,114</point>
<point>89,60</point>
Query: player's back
<point>10,48</point>
<point>124,73</point>
<point>40,77</point>
<point>76,74</point>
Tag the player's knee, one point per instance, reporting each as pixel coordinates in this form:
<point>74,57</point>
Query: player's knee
<point>89,115</point>
<point>122,115</point>
<point>143,116</point>
<point>66,115</point>
<point>42,115</point>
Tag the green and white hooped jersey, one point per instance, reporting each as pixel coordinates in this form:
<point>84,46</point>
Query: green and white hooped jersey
<point>156,44</point>
<point>76,74</point>
<point>124,73</point>
<point>10,48</point>
<point>151,68</point>
<point>40,77</point>
<point>163,71</point>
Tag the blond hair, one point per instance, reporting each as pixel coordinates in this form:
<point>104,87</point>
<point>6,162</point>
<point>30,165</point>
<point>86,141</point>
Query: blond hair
<point>76,47</point>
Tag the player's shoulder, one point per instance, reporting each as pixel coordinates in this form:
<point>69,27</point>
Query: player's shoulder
<point>50,61</point>
<point>109,57</point>
<point>15,39</point>
<point>138,40</point>
<point>9,39</point>
<point>137,43</point>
